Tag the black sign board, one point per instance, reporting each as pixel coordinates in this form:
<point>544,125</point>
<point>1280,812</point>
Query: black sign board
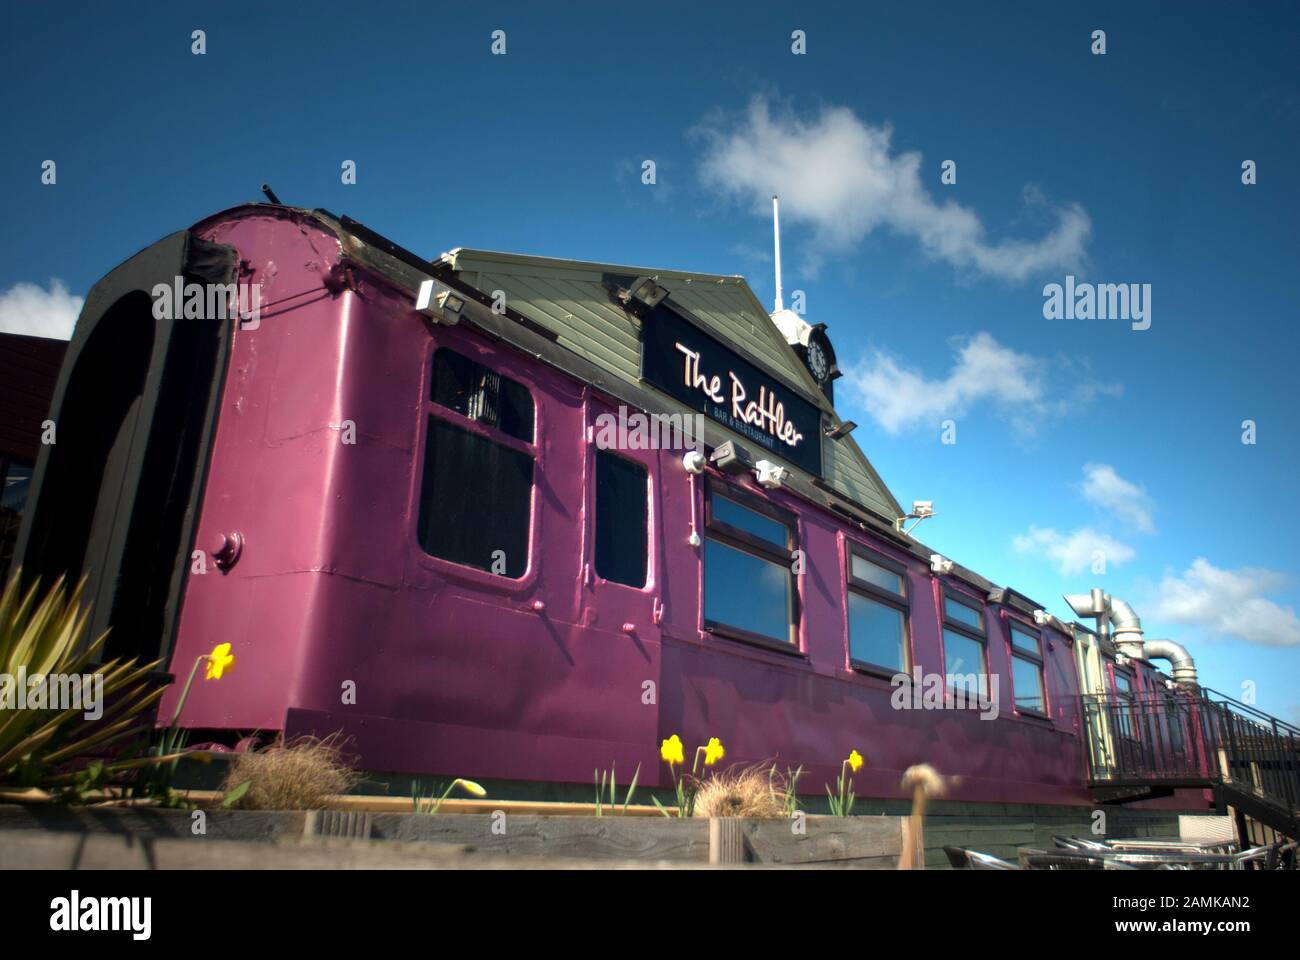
<point>688,364</point>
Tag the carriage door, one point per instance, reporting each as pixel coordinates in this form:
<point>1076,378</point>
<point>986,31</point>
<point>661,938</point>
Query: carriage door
<point>620,563</point>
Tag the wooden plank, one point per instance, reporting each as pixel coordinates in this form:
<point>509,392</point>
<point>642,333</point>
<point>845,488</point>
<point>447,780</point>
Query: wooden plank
<point>580,837</point>
<point>726,840</point>
<point>824,839</point>
<point>62,851</point>
<point>389,804</point>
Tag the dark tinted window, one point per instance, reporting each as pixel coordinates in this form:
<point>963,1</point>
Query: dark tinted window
<point>481,394</point>
<point>13,498</point>
<point>964,663</point>
<point>621,490</point>
<point>1027,681</point>
<point>750,521</point>
<point>1024,640</point>
<point>877,632</point>
<point>746,591</point>
<point>956,610</point>
<point>749,583</point>
<point>475,500</point>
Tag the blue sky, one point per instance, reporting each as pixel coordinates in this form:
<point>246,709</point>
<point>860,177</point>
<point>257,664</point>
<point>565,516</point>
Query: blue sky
<point>1072,435</point>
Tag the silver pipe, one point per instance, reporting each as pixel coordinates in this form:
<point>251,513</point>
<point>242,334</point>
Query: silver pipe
<point>1184,666</point>
<point>1123,618</point>
<point>1120,622</point>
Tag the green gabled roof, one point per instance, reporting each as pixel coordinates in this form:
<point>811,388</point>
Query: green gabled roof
<point>569,298</point>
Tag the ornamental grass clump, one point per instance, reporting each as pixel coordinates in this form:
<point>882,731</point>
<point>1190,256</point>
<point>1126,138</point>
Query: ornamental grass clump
<point>302,774</point>
<point>748,792</point>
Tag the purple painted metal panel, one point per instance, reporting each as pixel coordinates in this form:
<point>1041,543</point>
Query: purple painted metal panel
<point>455,670</point>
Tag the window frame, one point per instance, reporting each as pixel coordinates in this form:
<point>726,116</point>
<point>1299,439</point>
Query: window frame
<point>901,602</point>
<point>8,464</point>
<point>495,429</point>
<point>978,634</point>
<point>648,560</point>
<point>1128,699</point>
<point>429,408</point>
<point>1039,661</point>
<point>748,543</point>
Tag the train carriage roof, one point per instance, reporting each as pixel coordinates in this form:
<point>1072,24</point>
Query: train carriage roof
<point>572,299</point>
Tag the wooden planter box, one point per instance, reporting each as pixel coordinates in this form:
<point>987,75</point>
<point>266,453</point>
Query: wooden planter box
<point>814,840</point>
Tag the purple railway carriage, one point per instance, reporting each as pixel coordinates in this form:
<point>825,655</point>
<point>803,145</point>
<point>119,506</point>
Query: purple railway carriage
<point>417,506</point>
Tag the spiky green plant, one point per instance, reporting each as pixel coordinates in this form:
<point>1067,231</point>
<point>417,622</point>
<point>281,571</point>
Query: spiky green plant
<point>786,787</point>
<point>613,790</point>
<point>44,636</point>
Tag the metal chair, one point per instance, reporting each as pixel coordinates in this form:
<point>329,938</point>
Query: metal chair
<point>964,859</point>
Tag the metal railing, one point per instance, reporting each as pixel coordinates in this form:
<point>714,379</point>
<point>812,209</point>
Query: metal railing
<point>1255,751</point>
<point>1186,738</point>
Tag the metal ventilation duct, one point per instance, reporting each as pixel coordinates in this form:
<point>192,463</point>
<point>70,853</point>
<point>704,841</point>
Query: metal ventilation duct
<point>1119,622</point>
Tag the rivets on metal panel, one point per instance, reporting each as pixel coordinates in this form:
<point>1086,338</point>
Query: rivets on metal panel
<point>225,548</point>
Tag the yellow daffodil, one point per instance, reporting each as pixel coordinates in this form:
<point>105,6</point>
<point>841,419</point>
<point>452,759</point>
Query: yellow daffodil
<point>470,787</point>
<point>713,752</point>
<point>219,661</point>
<point>855,761</point>
<point>671,750</point>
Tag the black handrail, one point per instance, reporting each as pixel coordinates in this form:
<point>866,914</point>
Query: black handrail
<point>1189,738</point>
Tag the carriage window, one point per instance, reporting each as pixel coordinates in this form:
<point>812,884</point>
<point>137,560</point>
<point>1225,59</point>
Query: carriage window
<point>1123,684</point>
<point>474,391</point>
<point>1027,670</point>
<point>622,489</point>
<point>964,645</point>
<point>877,614</point>
<point>963,661</point>
<point>15,480</point>
<point>749,583</point>
<point>475,500</point>
<point>476,490</point>
<point>968,616</point>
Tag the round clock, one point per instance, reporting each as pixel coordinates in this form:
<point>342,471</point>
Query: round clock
<point>818,363</point>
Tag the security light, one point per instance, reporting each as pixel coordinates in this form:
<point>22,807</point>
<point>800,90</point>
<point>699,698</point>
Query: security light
<point>694,461</point>
<point>770,474</point>
<point>843,430</point>
<point>439,302</point>
<point>940,564</point>
<point>732,458</point>
<point>921,510</point>
<point>644,294</point>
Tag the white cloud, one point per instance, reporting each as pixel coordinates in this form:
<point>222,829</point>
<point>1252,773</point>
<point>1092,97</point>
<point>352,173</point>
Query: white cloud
<point>984,370</point>
<point>1108,490</point>
<point>27,309</point>
<point>842,177</point>
<point>1073,552</point>
<point>1230,603</point>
